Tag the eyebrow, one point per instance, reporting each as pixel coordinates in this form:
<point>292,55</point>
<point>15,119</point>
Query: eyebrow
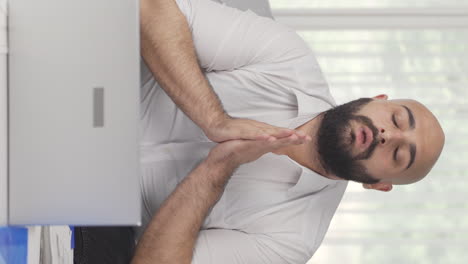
<point>412,155</point>
<point>412,123</point>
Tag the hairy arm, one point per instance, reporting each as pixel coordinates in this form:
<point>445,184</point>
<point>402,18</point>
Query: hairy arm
<point>171,235</point>
<point>167,48</point>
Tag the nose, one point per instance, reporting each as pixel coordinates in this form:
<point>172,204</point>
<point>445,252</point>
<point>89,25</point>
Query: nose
<point>389,136</point>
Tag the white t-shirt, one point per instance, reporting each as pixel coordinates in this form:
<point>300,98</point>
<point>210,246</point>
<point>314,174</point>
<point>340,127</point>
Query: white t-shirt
<point>273,210</point>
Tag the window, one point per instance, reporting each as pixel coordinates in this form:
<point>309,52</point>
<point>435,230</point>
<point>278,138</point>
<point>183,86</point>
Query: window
<point>406,49</point>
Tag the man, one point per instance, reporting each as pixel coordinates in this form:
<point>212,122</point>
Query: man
<point>277,208</point>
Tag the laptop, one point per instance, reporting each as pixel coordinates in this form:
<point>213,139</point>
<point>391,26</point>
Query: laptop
<point>73,113</point>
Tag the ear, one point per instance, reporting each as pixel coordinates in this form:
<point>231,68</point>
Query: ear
<point>381,97</point>
<point>381,186</point>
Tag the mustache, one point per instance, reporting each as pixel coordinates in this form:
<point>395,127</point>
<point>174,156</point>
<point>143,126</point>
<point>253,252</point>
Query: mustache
<point>370,150</point>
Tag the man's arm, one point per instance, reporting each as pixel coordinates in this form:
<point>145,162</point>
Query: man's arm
<point>168,50</point>
<point>170,237</point>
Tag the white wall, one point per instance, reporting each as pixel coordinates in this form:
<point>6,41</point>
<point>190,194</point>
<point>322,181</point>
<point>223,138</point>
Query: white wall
<point>3,113</point>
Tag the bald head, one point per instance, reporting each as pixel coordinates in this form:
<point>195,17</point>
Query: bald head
<point>394,141</point>
<point>429,141</point>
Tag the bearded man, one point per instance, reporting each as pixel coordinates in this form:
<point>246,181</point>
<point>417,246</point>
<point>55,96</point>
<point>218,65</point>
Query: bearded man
<point>245,155</point>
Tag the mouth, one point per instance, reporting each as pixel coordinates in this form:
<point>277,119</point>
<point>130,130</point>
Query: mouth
<point>364,137</point>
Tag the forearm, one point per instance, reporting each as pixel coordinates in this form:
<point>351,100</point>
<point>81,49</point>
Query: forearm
<point>170,237</point>
<point>168,50</point>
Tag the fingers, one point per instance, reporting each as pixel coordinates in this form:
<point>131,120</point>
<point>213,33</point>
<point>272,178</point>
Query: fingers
<point>293,139</point>
<point>302,135</point>
<point>243,151</point>
<point>276,132</point>
<point>279,132</point>
<point>252,130</point>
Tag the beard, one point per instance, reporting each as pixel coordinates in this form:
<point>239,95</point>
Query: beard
<point>335,141</point>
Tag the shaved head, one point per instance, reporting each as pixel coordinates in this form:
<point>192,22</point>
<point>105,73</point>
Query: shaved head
<point>432,140</point>
<point>385,141</point>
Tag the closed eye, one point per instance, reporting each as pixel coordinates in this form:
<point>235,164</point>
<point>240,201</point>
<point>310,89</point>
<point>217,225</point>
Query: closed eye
<point>394,121</point>
<point>395,154</point>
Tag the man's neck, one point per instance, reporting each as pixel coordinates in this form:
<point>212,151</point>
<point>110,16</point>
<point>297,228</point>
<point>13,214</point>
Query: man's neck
<point>307,154</point>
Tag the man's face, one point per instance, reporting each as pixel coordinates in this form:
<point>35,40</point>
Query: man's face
<point>337,142</point>
<point>372,140</point>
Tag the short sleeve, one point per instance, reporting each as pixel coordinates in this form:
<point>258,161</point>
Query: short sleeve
<point>226,38</point>
<point>216,246</point>
<point>185,6</point>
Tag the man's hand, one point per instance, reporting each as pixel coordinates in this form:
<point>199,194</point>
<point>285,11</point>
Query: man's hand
<point>171,235</point>
<point>168,50</point>
<point>236,152</point>
<point>231,129</point>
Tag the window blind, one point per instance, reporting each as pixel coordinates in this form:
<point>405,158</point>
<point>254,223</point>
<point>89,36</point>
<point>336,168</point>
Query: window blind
<point>422,223</point>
